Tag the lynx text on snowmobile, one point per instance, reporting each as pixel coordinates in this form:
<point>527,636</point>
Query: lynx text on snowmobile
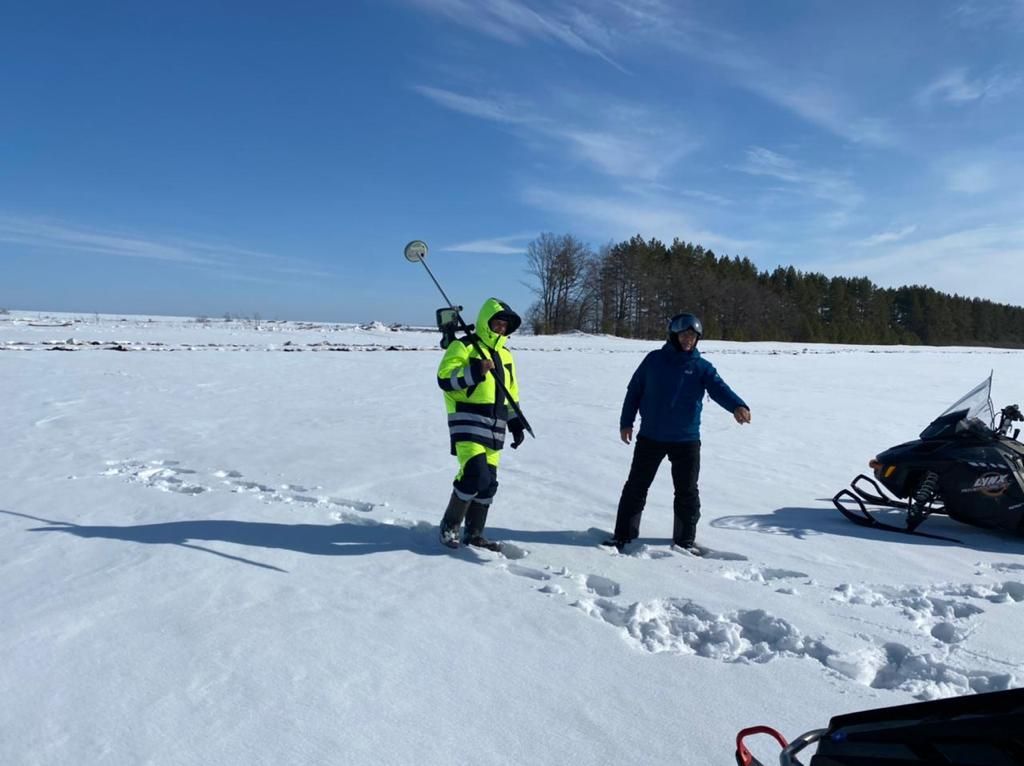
<point>963,466</point>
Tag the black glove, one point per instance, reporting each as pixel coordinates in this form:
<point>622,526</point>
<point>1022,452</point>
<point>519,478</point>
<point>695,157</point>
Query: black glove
<point>476,369</point>
<point>518,433</point>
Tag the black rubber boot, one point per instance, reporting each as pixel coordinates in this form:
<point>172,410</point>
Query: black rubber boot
<point>453,516</point>
<point>476,519</point>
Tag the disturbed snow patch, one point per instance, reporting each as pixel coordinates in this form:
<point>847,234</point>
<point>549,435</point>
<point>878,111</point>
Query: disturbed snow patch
<point>681,626</point>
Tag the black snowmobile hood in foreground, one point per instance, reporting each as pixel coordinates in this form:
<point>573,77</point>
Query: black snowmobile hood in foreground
<point>973,730</point>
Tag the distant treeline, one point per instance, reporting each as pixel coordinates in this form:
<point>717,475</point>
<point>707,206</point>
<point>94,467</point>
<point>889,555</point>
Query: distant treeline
<point>629,289</point>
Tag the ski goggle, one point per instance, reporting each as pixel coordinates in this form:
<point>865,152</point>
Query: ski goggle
<point>683,322</point>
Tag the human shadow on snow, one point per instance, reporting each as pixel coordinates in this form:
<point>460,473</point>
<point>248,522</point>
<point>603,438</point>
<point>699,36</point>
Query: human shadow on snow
<point>342,539</point>
<point>808,523</point>
<point>360,537</point>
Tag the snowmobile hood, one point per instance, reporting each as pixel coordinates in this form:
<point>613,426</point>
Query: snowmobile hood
<point>495,308</point>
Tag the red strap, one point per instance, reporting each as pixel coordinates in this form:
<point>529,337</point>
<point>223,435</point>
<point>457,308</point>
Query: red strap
<point>743,756</point>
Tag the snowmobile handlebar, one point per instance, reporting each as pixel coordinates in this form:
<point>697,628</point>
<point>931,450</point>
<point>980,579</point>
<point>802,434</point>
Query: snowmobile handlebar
<point>788,755</point>
<point>1007,416</point>
<point>789,749</point>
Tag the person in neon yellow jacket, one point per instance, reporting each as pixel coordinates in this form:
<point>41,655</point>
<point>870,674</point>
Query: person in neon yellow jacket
<point>478,418</point>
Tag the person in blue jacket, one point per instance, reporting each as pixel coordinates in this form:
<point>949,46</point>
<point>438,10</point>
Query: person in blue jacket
<point>668,388</point>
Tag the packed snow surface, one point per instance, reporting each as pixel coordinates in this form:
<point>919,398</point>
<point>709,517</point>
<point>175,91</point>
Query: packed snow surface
<point>218,545</point>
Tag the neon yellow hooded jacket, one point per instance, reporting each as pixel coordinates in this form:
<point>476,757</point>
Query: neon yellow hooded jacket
<point>477,411</point>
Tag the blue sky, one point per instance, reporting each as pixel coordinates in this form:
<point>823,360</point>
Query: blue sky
<point>254,157</point>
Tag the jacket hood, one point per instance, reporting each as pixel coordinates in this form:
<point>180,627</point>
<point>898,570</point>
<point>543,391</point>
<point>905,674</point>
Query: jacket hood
<point>495,308</point>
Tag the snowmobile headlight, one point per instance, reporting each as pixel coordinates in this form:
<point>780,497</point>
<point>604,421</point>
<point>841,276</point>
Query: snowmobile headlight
<point>889,471</point>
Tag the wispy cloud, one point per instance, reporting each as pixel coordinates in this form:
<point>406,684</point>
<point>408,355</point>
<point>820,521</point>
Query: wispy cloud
<point>955,87</point>
<point>972,178</point>
<point>43,233</point>
<point>811,96</point>
<point>971,262</point>
<point>625,154</point>
<point>714,199</point>
<point>483,108</point>
<point>622,217</point>
<point>821,105</point>
<point>887,237</point>
<point>516,22</point>
<point>824,185</point>
<point>621,25</point>
<point>225,260</point>
<point>513,245</point>
<point>986,13</point>
<point>612,144</point>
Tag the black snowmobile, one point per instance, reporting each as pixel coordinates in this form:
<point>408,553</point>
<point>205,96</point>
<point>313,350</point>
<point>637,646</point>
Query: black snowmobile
<point>975,730</point>
<point>963,466</point>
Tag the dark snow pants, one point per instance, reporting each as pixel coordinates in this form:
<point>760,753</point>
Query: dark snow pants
<point>647,456</point>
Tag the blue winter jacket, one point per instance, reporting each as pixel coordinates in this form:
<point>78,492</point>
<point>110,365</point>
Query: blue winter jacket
<point>668,388</point>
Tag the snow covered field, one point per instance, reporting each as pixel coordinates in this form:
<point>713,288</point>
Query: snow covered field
<point>218,545</point>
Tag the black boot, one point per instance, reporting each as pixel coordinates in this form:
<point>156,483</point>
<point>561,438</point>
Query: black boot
<point>453,516</point>
<point>476,519</point>
<point>684,531</point>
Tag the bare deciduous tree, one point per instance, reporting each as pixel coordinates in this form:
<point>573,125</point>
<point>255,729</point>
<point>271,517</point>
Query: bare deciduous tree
<point>560,264</point>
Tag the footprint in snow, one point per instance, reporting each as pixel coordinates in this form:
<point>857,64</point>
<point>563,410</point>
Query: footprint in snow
<point>602,586</point>
<point>552,590</point>
<point>943,611</point>
<point>528,572</point>
<point>513,551</point>
<point>300,499</point>
<point>650,552</point>
<point>656,550</point>
<point>166,475</point>
<point>711,553</point>
<point>763,575</point>
<point>1005,566</point>
<point>250,486</point>
<point>159,474</point>
<point>681,626</point>
<point>356,505</point>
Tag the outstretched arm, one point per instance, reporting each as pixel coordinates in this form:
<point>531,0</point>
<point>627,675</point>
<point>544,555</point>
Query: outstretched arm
<point>724,396</point>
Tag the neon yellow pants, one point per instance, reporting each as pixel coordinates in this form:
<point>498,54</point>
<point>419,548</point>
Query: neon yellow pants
<point>478,471</point>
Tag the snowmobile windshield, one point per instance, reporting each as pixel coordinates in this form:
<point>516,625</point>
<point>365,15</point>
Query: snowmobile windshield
<point>972,411</point>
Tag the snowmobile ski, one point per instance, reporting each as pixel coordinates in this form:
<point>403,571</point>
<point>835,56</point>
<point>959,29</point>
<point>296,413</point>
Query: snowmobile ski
<point>862,516</point>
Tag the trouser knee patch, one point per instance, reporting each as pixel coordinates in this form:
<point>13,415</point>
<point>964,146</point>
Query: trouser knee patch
<point>479,478</point>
